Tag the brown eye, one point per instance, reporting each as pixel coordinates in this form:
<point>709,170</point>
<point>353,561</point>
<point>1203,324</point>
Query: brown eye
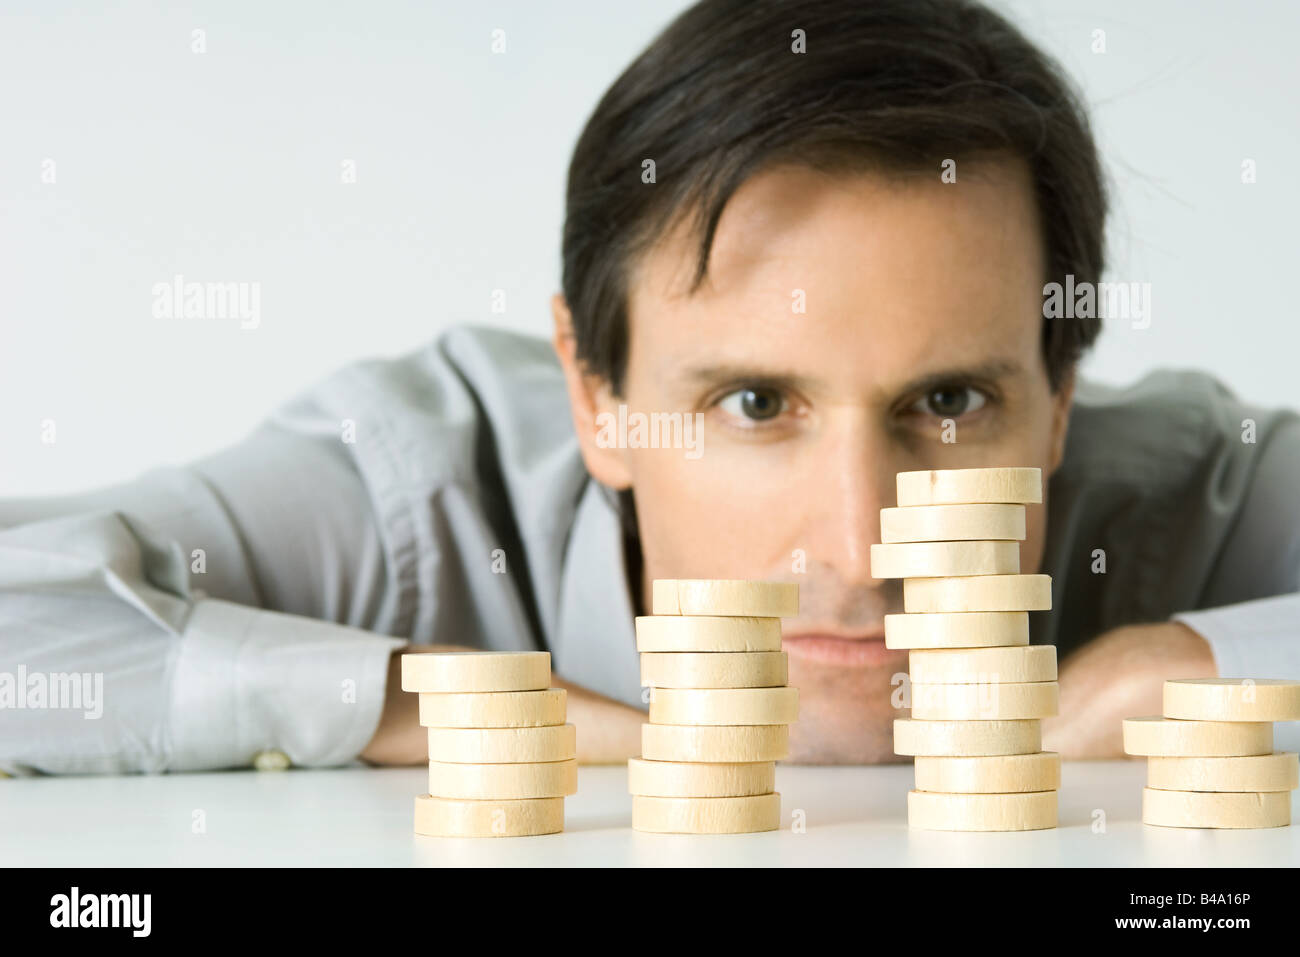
<point>758,404</point>
<point>948,403</point>
<point>951,402</point>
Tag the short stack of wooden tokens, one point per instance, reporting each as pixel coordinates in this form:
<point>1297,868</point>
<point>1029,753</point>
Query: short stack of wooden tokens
<point>1210,757</point>
<point>501,757</point>
<point>720,710</point>
<point>978,688</point>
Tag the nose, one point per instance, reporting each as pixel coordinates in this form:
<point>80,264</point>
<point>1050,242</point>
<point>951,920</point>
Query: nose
<point>853,480</point>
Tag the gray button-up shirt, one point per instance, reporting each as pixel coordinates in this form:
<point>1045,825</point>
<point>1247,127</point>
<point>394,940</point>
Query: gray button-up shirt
<point>250,601</point>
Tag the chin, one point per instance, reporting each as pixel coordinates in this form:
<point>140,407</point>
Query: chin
<point>846,715</point>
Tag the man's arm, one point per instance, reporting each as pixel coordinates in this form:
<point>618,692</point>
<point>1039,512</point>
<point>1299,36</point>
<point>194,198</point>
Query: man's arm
<point>1119,675</point>
<point>246,602</point>
<point>116,664</point>
<point>609,732</point>
<point>211,611</point>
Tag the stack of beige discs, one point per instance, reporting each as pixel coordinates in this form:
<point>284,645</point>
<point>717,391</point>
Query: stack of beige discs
<point>501,758</point>
<point>979,689</point>
<point>1210,758</point>
<point>720,711</point>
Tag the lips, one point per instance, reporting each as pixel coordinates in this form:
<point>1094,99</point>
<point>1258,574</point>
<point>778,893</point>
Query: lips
<point>863,651</point>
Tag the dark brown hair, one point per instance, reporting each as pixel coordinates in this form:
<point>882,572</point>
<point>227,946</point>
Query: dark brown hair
<point>896,85</point>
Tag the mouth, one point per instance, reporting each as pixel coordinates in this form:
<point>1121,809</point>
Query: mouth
<point>864,649</point>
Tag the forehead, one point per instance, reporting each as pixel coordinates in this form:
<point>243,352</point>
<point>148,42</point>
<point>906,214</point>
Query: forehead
<point>901,268</point>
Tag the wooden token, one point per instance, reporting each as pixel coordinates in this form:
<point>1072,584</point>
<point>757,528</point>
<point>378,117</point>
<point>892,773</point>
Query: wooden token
<point>952,523</point>
<point>1261,772</point>
<point>1023,811</point>
<point>1232,699</point>
<point>502,782</point>
<point>970,629</point>
<point>707,815</point>
<point>960,739</point>
<point>983,665</point>
<point>984,593</point>
<point>674,633</point>
<point>438,817</point>
<point>736,745</point>
<point>1155,736</point>
<point>503,709</point>
<point>717,669</point>
<point>503,745</point>
<point>689,779</point>
<point>1015,486</point>
<point>1217,809</point>
<point>942,559</point>
<point>724,706</point>
<point>993,774</point>
<point>684,596</point>
<point>444,672</point>
<point>985,702</point>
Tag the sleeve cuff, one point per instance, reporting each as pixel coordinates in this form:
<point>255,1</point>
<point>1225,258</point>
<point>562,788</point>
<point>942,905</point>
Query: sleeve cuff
<point>248,680</point>
<point>1255,639</point>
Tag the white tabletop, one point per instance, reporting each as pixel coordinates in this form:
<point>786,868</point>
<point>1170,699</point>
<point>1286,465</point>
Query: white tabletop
<point>363,817</point>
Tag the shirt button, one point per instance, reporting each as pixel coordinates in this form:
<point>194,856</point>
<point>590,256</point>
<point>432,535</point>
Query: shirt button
<point>271,760</point>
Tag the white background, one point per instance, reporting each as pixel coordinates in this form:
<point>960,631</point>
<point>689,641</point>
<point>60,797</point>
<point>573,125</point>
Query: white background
<point>225,166</point>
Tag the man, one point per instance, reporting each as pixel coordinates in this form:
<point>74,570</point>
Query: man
<point>815,237</point>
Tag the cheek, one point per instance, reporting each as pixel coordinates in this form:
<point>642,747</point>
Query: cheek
<point>700,515</point>
<point>1035,447</point>
<point>1031,549</point>
<point>1030,445</point>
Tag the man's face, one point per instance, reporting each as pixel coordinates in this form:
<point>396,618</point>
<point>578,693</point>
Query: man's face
<point>851,327</point>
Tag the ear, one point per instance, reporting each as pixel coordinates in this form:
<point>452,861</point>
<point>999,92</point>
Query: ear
<point>1062,399</point>
<point>589,396</point>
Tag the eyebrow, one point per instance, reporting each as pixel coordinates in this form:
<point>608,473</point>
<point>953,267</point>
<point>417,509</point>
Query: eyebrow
<point>717,374</point>
<point>990,371</point>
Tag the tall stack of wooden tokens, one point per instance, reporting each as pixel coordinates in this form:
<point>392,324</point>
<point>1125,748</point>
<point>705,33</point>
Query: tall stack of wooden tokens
<point>1210,757</point>
<point>978,688</point>
<point>501,758</point>
<point>720,710</point>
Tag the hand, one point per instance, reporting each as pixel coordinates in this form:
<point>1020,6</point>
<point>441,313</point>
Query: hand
<point>608,732</point>
<point>1118,675</point>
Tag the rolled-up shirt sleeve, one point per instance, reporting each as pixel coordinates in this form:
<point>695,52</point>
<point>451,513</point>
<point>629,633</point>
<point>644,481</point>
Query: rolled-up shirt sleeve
<point>198,615</point>
<point>311,689</point>
<point>113,663</point>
